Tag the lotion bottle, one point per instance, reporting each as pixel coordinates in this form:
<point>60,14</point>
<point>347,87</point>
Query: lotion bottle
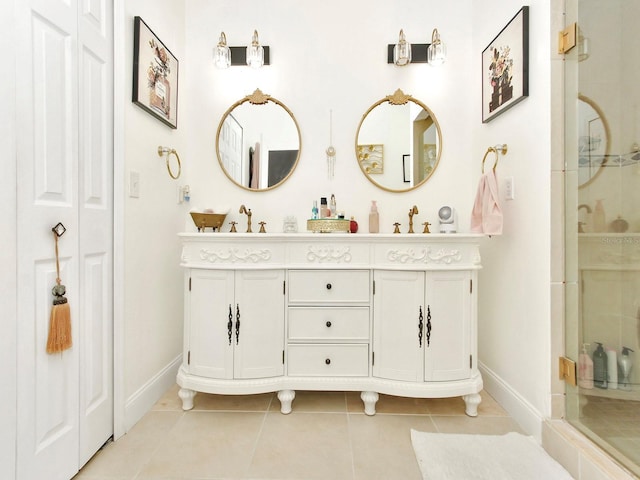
<point>585,369</point>
<point>612,368</point>
<point>600,367</point>
<point>374,218</point>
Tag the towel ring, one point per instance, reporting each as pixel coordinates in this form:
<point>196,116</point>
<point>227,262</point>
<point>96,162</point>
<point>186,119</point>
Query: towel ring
<point>169,152</point>
<point>501,148</point>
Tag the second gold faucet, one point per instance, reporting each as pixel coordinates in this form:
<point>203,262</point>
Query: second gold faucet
<point>246,210</point>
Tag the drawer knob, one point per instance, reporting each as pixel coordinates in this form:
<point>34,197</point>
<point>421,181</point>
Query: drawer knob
<point>328,361</point>
<point>328,286</point>
<point>328,323</point>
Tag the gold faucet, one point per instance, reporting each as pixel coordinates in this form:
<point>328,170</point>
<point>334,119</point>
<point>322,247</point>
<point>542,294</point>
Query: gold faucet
<point>412,212</point>
<point>246,210</point>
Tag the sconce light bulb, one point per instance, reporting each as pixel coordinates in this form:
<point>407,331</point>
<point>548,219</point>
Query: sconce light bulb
<point>255,52</point>
<point>437,52</point>
<point>222,53</point>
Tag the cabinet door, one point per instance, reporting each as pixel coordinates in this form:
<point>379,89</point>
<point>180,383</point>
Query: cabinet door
<point>448,300</point>
<point>397,302</point>
<point>210,350</point>
<point>260,339</point>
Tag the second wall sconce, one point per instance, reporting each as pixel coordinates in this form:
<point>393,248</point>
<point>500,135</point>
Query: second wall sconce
<point>403,52</point>
<point>254,55</point>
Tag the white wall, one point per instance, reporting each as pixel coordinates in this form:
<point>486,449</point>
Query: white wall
<point>515,294</point>
<point>330,56</point>
<point>149,303</point>
<point>8,249</point>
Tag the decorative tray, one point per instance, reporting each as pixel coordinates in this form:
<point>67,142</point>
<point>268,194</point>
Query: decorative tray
<point>211,220</point>
<point>328,225</point>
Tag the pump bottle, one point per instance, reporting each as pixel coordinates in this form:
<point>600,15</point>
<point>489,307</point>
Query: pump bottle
<point>585,369</point>
<point>600,367</point>
<point>374,219</point>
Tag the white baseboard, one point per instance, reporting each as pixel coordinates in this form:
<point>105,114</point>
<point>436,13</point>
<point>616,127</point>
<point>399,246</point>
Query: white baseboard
<point>529,419</point>
<point>139,404</point>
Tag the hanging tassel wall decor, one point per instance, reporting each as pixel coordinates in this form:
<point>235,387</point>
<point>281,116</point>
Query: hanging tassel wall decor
<point>59,338</point>
<point>331,152</point>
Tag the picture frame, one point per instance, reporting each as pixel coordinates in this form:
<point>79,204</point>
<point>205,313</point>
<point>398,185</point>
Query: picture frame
<point>505,67</point>
<point>155,75</point>
<point>406,159</point>
<point>371,158</point>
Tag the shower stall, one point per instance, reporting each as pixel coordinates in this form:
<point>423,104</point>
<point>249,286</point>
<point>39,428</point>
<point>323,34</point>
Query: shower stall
<point>602,153</point>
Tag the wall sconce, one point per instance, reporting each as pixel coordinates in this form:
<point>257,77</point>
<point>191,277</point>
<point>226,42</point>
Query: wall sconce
<point>222,54</point>
<point>404,52</point>
<point>254,55</point>
<point>437,52</point>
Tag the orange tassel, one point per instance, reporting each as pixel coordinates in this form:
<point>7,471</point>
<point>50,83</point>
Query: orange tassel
<point>59,329</point>
<point>59,338</point>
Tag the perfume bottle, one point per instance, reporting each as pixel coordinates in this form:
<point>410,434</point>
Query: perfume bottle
<point>314,210</point>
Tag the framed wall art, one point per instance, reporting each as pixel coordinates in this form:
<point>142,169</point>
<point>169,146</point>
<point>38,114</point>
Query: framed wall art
<point>505,67</point>
<point>155,75</point>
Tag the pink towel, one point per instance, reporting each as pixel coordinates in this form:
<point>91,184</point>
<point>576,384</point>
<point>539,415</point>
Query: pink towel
<point>486,216</point>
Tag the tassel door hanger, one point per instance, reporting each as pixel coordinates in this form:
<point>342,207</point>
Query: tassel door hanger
<point>59,338</point>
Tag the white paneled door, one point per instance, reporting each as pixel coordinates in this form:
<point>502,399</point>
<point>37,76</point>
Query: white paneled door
<point>64,88</point>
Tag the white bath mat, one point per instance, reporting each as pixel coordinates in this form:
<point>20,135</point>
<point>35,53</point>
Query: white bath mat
<point>496,457</point>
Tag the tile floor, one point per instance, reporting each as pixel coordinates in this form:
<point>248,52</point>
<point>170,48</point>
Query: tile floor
<point>327,436</point>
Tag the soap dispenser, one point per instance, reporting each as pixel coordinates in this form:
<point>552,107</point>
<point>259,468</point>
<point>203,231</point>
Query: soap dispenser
<point>626,364</point>
<point>600,367</point>
<point>585,369</point>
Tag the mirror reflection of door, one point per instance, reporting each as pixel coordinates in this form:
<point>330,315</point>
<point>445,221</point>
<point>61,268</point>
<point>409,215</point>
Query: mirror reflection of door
<point>258,142</point>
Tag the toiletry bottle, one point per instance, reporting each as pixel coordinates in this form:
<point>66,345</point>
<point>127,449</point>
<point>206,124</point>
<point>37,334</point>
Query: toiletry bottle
<point>374,218</point>
<point>585,368</point>
<point>353,226</point>
<point>323,207</point>
<point>612,368</point>
<point>626,364</point>
<point>314,210</point>
<point>599,218</point>
<point>600,367</point>
<point>332,207</point>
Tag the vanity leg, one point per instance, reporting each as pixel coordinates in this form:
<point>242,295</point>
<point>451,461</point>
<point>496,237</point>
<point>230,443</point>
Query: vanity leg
<point>286,397</point>
<point>187,398</point>
<point>471,402</point>
<point>369,399</point>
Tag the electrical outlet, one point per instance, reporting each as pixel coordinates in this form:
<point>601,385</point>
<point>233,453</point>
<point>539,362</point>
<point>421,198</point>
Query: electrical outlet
<point>509,188</point>
<point>134,184</point>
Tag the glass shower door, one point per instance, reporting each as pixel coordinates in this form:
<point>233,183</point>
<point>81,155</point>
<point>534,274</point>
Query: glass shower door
<point>602,152</point>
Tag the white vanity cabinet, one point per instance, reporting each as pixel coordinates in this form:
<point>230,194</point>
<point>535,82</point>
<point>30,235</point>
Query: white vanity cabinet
<point>375,313</point>
<point>422,325</point>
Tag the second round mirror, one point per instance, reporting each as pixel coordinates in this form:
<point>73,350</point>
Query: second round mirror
<point>398,143</point>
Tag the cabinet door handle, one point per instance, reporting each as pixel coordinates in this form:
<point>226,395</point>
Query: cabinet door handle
<point>420,327</point>
<point>428,324</point>
<point>328,323</point>
<point>237,323</point>
<point>328,361</point>
<point>230,324</point>
<point>328,286</point>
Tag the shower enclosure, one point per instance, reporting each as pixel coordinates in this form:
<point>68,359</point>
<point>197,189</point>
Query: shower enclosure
<point>602,152</point>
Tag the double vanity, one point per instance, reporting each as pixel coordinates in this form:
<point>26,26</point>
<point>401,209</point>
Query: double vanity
<point>375,313</point>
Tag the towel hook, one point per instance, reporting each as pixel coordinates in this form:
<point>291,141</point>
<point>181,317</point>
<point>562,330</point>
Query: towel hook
<point>170,151</point>
<point>500,148</point>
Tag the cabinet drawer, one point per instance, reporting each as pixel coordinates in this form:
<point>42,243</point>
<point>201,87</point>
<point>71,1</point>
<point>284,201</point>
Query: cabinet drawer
<point>328,360</point>
<point>329,286</point>
<point>327,324</point>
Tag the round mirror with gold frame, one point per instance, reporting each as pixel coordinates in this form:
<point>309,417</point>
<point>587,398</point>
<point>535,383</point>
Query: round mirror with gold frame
<point>593,140</point>
<point>258,142</point>
<point>398,143</point>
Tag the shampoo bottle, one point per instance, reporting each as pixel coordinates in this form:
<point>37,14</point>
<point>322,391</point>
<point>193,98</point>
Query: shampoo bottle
<point>374,219</point>
<point>626,363</point>
<point>600,367</point>
<point>585,368</point>
<point>612,368</point>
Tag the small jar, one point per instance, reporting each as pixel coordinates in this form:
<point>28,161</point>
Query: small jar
<point>353,226</point>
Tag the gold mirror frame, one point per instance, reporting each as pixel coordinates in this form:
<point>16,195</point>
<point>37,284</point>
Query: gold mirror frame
<point>607,140</point>
<point>257,98</point>
<point>398,98</point>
